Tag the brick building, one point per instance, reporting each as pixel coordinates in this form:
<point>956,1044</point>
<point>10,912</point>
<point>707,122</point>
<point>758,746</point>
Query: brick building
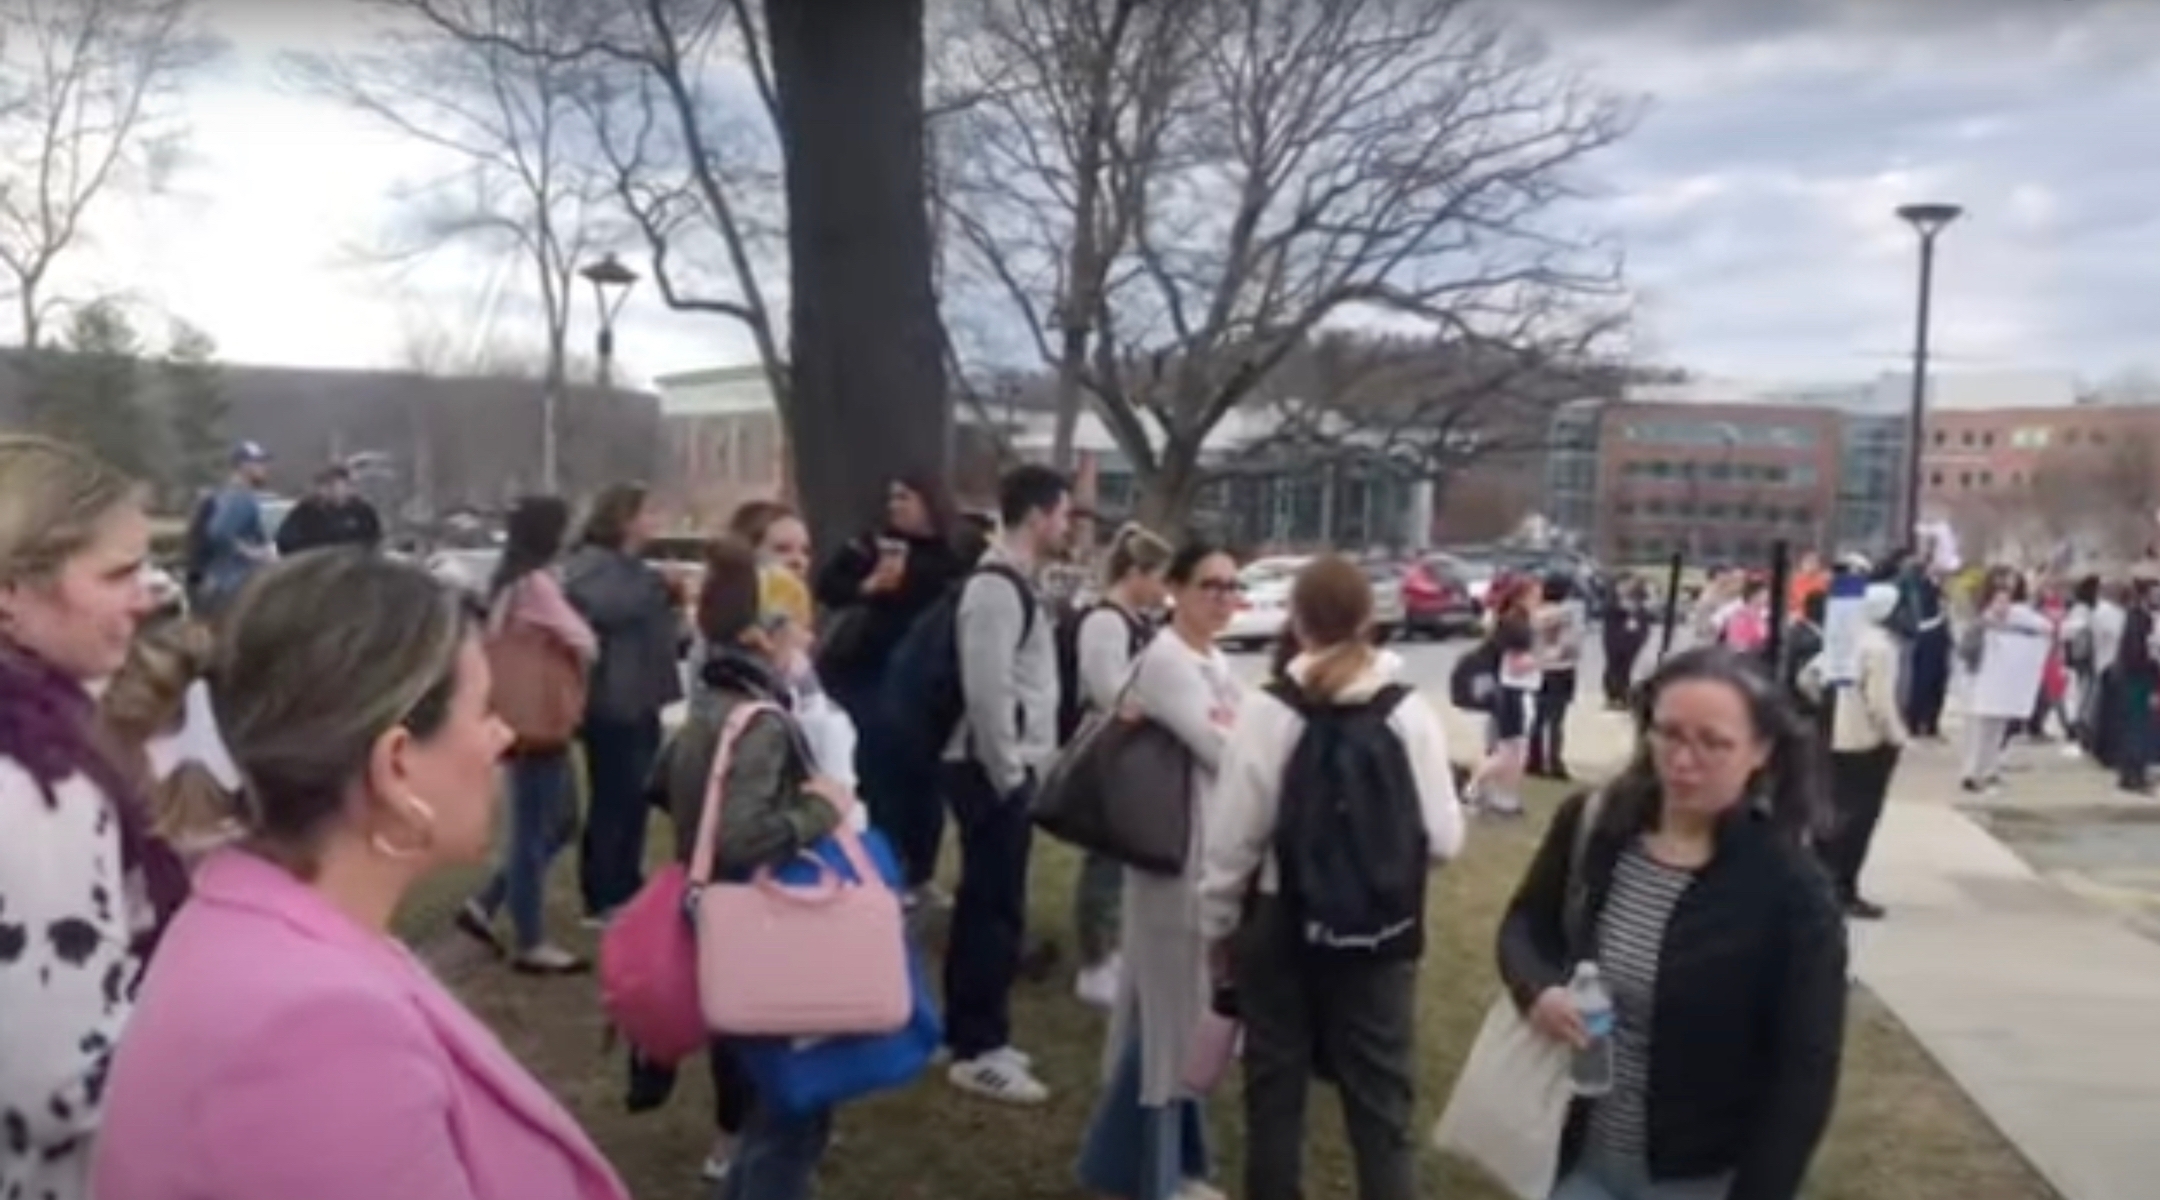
<point>1716,481</point>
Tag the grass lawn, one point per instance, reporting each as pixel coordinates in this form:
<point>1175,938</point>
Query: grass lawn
<point>1902,1132</point>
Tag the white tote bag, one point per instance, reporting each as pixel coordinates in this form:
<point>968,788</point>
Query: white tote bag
<point>1510,1103</point>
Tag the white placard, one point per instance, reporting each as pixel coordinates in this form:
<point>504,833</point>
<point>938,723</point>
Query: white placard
<point>2012,661</point>
<point>1844,616</point>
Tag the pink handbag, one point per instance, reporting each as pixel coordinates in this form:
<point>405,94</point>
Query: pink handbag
<point>780,959</point>
<point>1216,1042</point>
<point>648,954</point>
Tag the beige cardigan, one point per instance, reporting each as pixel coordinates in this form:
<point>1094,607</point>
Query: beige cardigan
<point>1866,716</point>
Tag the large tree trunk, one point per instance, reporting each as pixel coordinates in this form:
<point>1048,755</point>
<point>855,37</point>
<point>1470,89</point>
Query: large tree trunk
<point>1167,496</point>
<point>867,400</point>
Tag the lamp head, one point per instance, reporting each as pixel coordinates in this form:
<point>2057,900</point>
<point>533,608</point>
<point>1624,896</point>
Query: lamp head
<point>1929,219</point>
<point>609,272</point>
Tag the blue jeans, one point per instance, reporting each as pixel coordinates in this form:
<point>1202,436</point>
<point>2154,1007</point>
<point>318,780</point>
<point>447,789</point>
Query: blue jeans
<point>543,799</point>
<point>1136,1151</point>
<point>1600,1177</point>
<point>777,1158</point>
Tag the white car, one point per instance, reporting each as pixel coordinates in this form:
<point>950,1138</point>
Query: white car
<point>1389,612</point>
<point>1263,603</point>
<point>471,570</point>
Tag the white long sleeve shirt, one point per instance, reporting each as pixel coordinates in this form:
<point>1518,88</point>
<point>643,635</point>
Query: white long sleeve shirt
<point>1241,814</point>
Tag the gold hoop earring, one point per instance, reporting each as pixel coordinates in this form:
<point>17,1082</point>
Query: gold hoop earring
<point>385,847</point>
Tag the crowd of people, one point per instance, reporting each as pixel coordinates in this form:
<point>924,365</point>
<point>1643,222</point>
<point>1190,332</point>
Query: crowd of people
<point>212,823</point>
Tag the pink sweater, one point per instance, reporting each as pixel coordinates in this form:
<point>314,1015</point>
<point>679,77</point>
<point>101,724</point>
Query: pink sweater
<point>279,1051</point>
<point>538,600</point>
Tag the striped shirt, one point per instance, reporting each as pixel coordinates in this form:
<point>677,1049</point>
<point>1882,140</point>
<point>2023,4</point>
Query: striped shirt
<point>1630,931</point>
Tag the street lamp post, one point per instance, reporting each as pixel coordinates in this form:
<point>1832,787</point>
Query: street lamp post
<point>1928,220</point>
<point>611,286</point>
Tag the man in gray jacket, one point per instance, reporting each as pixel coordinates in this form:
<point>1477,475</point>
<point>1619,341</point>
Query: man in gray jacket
<point>1009,677</point>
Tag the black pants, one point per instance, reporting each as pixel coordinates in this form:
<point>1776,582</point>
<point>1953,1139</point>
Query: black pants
<point>611,856</point>
<point>989,919</point>
<point>1620,656</point>
<point>1354,1022</point>
<point>903,797</point>
<point>1929,687</point>
<point>1860,783</point>
<point>1548,727</point>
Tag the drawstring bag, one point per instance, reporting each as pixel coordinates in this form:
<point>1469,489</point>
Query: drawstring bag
<point>648,954</point>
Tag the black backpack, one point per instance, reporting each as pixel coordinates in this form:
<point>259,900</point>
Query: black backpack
<point>1350,841</point>
<point>920,695</point>
<point>1072,700</point>
<point>1476,677</point>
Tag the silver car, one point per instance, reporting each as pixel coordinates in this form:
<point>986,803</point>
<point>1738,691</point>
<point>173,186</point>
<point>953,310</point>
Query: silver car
<point>1389,613</point>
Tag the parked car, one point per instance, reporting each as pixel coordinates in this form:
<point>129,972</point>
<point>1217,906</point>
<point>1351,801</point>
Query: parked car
<point>1263,603</point>
<point>1437,600</point>
<point>470,569</point>
<point>1389,613</point>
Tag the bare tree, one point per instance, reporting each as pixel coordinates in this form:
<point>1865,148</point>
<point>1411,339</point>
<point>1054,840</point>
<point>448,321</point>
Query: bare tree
<point>86,91</point>
<point>2103,498</point>
<point>524,182</point>
<point>1262,169</point>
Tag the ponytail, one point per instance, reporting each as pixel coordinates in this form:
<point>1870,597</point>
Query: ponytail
<point>1332,671</point>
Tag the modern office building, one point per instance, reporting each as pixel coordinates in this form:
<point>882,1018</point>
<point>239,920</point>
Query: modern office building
<point>1720,469</point>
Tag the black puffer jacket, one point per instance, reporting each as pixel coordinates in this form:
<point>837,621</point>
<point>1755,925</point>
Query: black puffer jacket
<point>1750,1011</point>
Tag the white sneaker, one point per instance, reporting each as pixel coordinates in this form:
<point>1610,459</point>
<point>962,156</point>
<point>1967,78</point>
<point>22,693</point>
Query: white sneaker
<point>716,1168</point>
<point>1097,986</point>
<point>1026,1061</point>
<point>1198,1189</point>
<point>999,1075</point>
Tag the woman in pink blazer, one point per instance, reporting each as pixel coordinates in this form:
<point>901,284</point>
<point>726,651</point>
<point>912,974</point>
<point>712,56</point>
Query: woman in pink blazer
<point>285,1045</point>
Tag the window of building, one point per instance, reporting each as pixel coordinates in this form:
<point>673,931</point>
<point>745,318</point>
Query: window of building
<point>1941,437</point>
<point>1720,470</point>
<point>1987,479</point>
<point>1625,508</point>
<point>1654,507</point>
<point>2096,437</point>
<point>1966,438</point>
<point>1965,479</point>
<point>1714,511</point>
<point>1987,438</point>
<point>2070,437</point>
<point>1934,478</point>
<point>1801,476</point>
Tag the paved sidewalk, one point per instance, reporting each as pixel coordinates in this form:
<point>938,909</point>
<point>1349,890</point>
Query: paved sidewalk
<point>2038,1004</point>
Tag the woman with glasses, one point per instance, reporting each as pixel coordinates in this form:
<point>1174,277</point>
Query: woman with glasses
<point>1696,895</point>
<point>1147,1139</point>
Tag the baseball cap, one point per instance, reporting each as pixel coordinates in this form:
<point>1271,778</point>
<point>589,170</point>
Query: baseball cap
<point>249,452</point>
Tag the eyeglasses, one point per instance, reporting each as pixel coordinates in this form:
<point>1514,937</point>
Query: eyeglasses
<point>1667,740</point>
<point>1219,587</point>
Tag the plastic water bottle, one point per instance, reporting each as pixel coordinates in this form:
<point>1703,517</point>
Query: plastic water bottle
<point>1593,1065</point>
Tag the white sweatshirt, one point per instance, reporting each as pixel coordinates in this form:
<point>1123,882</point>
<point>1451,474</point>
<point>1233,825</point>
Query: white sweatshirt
<point>1248,790</point>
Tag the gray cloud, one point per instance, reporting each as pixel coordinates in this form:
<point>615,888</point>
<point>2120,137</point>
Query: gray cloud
<point>1755,199</point>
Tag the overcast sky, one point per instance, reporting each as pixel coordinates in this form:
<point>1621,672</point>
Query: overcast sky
<point>1753,202</point>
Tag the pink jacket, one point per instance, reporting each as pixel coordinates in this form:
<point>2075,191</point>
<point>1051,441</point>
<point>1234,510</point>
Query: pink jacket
<point>538,599</point>
<point>278,1050</point>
